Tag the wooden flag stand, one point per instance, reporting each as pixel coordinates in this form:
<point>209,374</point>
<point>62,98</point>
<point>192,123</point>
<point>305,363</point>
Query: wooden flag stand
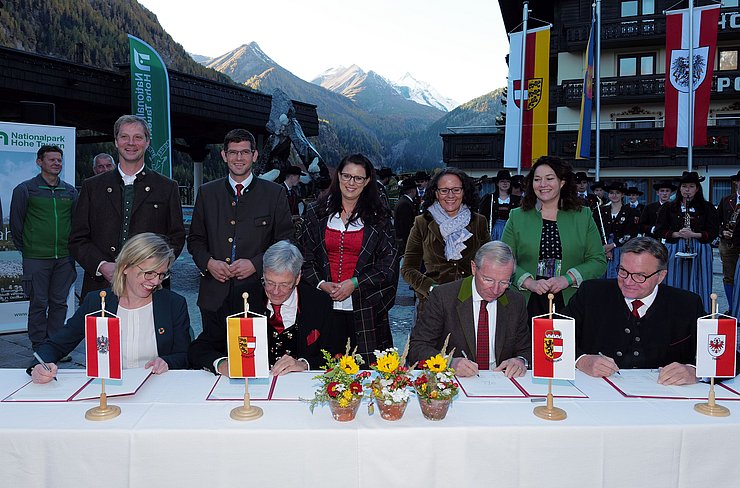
<point>711,408</point>
<point>549,411</point>
<point>246,411</point>
<point>103,411</point>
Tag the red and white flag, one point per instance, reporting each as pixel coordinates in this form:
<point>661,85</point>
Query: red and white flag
<point>554,348</point>
<point>677,86</point>
<point>103,347</point>
<point>715,347</point>
<point>246,340</point>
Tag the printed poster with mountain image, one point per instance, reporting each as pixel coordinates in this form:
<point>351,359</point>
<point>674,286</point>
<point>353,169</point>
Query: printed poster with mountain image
<point>18,146</point>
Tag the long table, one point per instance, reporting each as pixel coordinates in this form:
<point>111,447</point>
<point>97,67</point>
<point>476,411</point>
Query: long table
<point>169,435</point>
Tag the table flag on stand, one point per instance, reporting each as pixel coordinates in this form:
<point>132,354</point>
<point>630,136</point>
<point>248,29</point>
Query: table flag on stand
<point>103,347</point>
<point>247,346</point>
<point>715,347</point>
<point>554,347</point>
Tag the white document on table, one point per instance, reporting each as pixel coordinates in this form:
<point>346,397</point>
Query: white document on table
<point>130,382</point>
<point>490,384</point>
<point>68,383</point>
<point>296,386</point>
<point>643,383</point>
<point>230,389</point>
<point>537,387</point>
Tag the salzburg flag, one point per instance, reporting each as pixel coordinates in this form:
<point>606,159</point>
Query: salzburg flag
<point>677,87</point>
<point>530,100</point>
<point>103,347</point>
<point>715,347</point>
<point>247,347</point>
<point>554,348</point>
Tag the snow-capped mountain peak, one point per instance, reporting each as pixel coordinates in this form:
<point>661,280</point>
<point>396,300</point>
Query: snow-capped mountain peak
<point>421,92</point>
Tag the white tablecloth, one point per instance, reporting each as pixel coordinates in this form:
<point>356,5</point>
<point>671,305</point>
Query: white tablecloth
<point>168,435</point>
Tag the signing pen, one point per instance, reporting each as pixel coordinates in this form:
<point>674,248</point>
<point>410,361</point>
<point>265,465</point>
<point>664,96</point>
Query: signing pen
<point>43,364</point>
<point>466,357</point>
<point>620,374</point>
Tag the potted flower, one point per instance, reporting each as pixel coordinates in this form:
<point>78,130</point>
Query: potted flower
<point>390,388</point>
<point>341,384</point>
<point>436,387</point>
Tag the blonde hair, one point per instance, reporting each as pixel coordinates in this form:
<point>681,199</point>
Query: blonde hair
<point>137,250</point>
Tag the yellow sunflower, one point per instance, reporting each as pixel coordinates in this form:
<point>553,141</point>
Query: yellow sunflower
<point>437,363</point>
<point>348,365</point>
<point>388,363</point>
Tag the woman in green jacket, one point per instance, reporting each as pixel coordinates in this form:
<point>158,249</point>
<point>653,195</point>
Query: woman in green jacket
<point>554,238</point>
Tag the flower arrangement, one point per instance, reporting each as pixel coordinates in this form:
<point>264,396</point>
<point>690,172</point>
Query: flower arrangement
<point>393,380</point>
<point>342,382</point>
<point>437,380</point>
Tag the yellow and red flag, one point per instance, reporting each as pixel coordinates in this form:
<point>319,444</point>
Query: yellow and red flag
<point>247,347</point>
<point>529,100</point>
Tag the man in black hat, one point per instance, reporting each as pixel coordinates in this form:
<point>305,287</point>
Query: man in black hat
<point>729,244</point>
<point>291,178</point>
<point>384,178</point>
<point>586,199</point>
<point>598,188</point>
<point>405,212</point>
<point>649,216</point>
<point>517,186</point>
<point>632,195</point>
<point>422,180</point>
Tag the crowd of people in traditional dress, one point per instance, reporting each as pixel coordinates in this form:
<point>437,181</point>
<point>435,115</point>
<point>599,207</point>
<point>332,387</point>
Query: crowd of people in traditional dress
<point>480,269</point>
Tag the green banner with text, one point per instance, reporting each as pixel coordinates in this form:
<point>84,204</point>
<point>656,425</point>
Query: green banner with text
<point>150,99</point>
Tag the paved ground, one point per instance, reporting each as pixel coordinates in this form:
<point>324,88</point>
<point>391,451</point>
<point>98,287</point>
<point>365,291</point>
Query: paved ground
<point>15,349</point>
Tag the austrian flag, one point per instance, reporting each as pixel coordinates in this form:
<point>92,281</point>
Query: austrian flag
<point>103,347</point>
<point>679,90</point>
<point>715,347</point>
<point>554,348</point>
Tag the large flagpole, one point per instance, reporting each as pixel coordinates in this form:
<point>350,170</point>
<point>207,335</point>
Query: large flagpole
<point>691,86</point>
<point>597,87</point>
<point>525,17</point>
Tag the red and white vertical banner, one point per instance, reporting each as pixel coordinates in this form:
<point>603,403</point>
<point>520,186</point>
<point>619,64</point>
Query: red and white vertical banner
<point>246,339</point>
<point>716,341</point>
<point>528,100</point>
<point>554,348</point>
<point>678,90</point>
<point>103,347</point>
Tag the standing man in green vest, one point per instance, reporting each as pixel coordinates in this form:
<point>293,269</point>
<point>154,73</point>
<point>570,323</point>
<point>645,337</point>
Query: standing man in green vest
<point>40,220</point>
<point>119,204</point>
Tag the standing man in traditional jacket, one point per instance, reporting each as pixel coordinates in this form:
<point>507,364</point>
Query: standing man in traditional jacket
<point>729,243</point>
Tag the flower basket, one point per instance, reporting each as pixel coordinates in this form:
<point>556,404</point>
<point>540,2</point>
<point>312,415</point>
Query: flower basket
<point>436,387</point>
<point>391,386</point>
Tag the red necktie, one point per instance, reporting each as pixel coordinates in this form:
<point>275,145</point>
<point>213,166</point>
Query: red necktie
<point>239,187</point>
<point>276,321</point>
<point>482,343</point>
<point>635,305</point>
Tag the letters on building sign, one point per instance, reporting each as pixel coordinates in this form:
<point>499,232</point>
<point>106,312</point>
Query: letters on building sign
<point>729,20</point>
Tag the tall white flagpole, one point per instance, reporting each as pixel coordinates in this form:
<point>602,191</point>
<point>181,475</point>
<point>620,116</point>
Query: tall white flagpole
<point>597,88</point>
<point>525,17</point>
<point>691,85</point>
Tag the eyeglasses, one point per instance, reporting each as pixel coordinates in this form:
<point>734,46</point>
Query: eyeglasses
<point>232,154</point>
<point>636,277</point>
<point>150,275</point>
<point>283,287</point>
<point>357,179</point>
<point>445,191</point>
<point>489,282</point>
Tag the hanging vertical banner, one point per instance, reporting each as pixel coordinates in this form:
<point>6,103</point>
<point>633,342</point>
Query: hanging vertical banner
<point>530,100</point>
<point>715,347</point>
<point>583,145</point>
<point>150,99</point>
<point>677,87</point>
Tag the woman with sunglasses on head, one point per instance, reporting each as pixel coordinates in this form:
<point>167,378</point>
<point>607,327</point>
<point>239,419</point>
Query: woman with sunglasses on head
<point>349,251</point>
<point>446,236</point>
<point>155,325</point>
<point>553,237</point>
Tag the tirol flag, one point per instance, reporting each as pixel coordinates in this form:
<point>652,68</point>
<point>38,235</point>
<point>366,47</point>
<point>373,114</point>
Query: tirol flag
<point>103,347</point>
<point>529,100</point>
<point>715,347</point>
<point>150,99</point>
<point>247,347</point>
<point>587,97</point>
<point>678,89</point>
<point>554,348</point>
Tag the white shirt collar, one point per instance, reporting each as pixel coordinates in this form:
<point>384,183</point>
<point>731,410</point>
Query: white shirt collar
<point>246,182</point>
<point>129,179</point>
<point>646,302</point>
<point>288,310</point>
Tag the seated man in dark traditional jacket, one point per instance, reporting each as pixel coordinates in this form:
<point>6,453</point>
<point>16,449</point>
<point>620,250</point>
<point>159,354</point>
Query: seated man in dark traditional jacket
<point>634,321</point>
<point>295,313</point>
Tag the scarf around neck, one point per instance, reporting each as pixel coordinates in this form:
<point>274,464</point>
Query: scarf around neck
<point>453,229</point>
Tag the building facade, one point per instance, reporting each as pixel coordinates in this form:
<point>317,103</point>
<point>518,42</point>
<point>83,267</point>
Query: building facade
<point>633,59</point>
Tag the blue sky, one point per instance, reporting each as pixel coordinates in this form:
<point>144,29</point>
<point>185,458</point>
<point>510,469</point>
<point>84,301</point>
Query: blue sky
<point>456,46</point>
